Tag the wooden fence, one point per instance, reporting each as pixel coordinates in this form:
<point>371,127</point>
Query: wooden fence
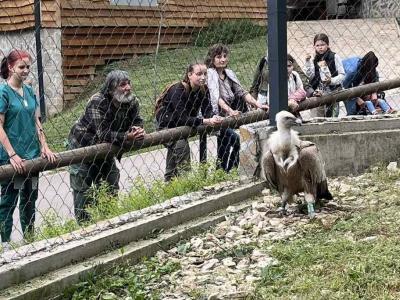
<point>95,32</point>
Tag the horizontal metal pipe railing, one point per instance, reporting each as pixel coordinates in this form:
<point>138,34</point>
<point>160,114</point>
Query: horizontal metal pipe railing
<point>100,151</point>
<point>349,93</point>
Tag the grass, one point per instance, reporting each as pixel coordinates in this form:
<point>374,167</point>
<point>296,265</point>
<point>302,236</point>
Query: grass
<point>124,282</point>
<point>228,32</point>
<point>141,196</point>
<point>355,259</point>
<point>149,75</point>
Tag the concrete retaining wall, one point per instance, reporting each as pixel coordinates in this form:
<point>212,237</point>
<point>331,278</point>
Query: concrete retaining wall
<point>348,146</point>
<point>18,271</point>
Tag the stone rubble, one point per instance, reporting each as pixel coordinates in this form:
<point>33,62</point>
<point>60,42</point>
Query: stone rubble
<point>227,262</point>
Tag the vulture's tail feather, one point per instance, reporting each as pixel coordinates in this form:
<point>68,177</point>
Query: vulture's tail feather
<point>323,191</point>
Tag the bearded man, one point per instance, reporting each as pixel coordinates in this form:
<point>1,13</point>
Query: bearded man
<point>111,116</point>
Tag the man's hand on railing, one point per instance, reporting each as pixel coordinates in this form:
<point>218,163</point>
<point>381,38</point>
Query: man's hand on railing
<point>136,133</point>
<point>215,120</point>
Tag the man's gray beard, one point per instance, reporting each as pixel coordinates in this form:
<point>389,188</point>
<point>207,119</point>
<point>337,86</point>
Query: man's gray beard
<point>122,98</point>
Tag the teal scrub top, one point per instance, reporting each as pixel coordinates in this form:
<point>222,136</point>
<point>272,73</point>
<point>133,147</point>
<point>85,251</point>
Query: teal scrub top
<point>19,123</point>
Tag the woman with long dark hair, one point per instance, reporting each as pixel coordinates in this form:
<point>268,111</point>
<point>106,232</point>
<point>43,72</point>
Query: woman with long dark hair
<point>180,105</point>
<point>359,70</point>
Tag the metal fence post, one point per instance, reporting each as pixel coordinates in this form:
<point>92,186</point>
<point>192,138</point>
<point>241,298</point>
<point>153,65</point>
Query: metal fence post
<point>39,59</point>
<point>203,147</point>
<point>277,56</point>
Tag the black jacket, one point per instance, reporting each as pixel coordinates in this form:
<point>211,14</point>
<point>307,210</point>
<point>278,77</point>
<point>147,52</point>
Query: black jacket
<point>181,107</point>
<point>329,57</point>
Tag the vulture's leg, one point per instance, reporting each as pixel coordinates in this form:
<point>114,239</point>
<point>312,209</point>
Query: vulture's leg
<point>310,204</point>
<point>285,198</point>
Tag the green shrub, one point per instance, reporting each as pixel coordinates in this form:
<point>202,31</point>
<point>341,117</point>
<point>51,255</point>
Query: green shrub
<point>53,226</point>
<point>141,196</point>
<point>228,32</point>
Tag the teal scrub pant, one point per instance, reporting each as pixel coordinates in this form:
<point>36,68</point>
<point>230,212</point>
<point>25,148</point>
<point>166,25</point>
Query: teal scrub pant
<point>28,195</point>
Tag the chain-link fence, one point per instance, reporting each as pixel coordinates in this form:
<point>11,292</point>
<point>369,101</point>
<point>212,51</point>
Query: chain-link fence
<point>153,42</point>
<point>353,29</point>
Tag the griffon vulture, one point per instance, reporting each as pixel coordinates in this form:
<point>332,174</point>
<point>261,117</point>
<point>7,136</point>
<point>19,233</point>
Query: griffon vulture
<point>293,166</point>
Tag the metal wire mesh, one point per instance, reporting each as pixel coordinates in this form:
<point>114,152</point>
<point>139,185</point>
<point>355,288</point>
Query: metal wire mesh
<point>154,41</point>
<point>354,28</point>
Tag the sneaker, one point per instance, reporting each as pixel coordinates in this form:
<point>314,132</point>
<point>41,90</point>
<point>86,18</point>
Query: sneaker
<point>5,246</point>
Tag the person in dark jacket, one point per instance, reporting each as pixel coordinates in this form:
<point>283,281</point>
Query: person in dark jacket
<point>111,116</point>
<point>180,106</point>
<point>326,74</point>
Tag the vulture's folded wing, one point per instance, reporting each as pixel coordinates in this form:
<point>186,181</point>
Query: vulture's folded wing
<point>313,169</point>
<point>269,170</point>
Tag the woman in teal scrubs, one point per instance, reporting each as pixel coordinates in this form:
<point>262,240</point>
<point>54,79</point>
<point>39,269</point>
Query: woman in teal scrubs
<point>21,138</point>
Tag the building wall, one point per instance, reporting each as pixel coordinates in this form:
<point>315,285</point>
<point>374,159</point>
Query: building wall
<point>95,32</point>
<point>52,62</point>
<point>380,8</point>
<point>81,35</point>
<point>18,14</point>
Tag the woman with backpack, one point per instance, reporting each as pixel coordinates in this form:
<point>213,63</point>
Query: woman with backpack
<point>179,105</point>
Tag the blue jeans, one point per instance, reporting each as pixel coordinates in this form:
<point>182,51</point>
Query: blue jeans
<point>381,103</point>
<point>228,143</point>
<point>351,106</point>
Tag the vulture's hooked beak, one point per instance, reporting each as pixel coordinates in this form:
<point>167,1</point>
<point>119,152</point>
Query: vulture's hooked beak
<point>297,122</point>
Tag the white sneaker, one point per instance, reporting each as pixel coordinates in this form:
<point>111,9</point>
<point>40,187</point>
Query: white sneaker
<point>5,246</point>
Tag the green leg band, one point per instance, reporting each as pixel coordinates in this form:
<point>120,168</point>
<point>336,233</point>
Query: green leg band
<point>311,211</point>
